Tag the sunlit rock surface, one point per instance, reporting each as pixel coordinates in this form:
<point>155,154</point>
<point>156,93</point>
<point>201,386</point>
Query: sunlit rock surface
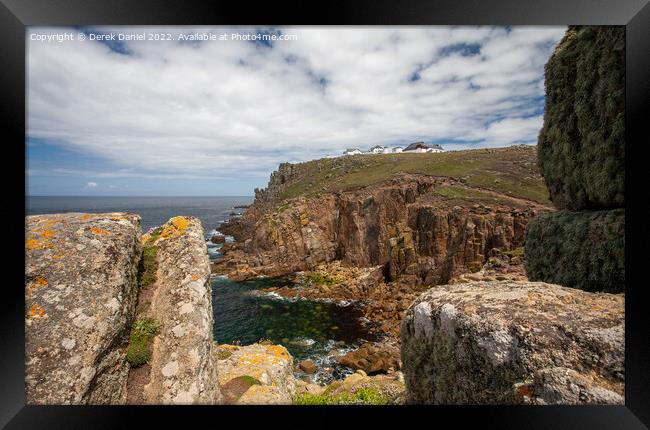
<point>80,296</point>
<point>182,367</point>
<point>258,374</point>
<point>514,343</point>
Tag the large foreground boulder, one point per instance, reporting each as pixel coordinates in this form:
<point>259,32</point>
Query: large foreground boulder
<point>581,146</point>
<point>183,370</point>
<point>583,250</point>
<point>80,297</point>
<point>514,343</point>
<point>258,374</point>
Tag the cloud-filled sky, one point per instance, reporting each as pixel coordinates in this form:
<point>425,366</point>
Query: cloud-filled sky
<point>216,117</point>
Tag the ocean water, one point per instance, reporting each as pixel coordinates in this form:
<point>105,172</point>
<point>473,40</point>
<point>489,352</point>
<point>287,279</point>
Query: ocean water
<point>242,313</point>
<point>154,211</point>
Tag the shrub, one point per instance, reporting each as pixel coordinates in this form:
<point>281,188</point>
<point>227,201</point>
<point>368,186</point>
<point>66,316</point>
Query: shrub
<point>366,396</point>
<point>138,352</point>
<point>581,146</point>
<point>148,265</point>
<point>320,278</point>
<point>584,250</point>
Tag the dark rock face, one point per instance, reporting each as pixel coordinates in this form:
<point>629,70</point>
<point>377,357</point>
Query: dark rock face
<point>582,158</point>
<point>581,145</point>
<point>218,238</point>
<point>583,250</point>
<point>80,294</point>
<point>513,343</point>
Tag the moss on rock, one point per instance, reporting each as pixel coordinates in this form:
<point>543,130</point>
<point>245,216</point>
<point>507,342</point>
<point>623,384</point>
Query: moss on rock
<point>581,147</point>
<point>584,250</point>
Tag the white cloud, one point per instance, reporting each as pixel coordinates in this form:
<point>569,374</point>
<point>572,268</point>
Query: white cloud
<point>90,185</point>
<point>223,109</point>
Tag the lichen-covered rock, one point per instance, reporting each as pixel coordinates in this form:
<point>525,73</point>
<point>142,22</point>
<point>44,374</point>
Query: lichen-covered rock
<point>514,343</point>
<point>583,250</point>
<point>258,374</point>
<point>80,296</point>
<point>183,370</point>
<point>582,142</point>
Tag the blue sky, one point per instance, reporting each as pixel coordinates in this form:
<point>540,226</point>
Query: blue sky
<point>216,117</point>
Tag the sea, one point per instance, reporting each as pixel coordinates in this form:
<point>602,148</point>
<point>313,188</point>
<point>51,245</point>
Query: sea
<point>243,313</point>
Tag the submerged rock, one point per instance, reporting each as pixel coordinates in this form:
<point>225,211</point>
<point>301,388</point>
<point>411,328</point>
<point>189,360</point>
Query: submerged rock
<point>514,343</point>
<point>255,374</point>
<point>183,370</point>
<point>80,296</point>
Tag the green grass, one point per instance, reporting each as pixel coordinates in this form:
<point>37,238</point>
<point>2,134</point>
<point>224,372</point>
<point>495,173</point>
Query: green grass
<point>138,352</point>
<point>517,252</point>
<point>148,263</point>
<point>320,278</point>
<point>511,171</point>
<point>455,192</point>
<point>366,396</point>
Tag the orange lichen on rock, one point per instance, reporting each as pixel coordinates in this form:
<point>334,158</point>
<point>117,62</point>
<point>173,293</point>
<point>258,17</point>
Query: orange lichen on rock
<point>35,312</point>
<point>176,227</point>
<point>37,283</point>
<point>86,217</point>
<point>40,281</point>
<point>47,234</point>
<point>99,231</point>
<point>32,244</point>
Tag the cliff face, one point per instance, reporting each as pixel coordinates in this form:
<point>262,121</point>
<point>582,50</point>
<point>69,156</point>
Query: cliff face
<point>80,297</point>
<point>424,229</point>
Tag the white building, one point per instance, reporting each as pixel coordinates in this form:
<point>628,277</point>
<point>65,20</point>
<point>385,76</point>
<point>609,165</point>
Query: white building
<point>420,147</point>
<point>397,150</point>
<point>378,149</point>
<point>352,151</point>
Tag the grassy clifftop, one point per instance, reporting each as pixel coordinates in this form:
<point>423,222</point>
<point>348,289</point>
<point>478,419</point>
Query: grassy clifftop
<point>512,171</point>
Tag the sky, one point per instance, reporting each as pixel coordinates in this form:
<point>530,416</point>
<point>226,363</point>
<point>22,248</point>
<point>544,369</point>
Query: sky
<point>216,117</point>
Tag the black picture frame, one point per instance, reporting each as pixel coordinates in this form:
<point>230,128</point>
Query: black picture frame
<point>15,15</point>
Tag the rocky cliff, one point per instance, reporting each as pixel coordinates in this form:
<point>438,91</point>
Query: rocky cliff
<point>424,228</point>
<point>80,298</point>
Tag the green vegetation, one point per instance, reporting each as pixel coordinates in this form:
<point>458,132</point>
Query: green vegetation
<point>584,250</point>
<point>142,331</point>
<point>517,252</point>
<point>582,142</point>
<point>223,354</point>
<point>148,263</point>
<point>474,195</point>
<point>319,278</point>
<point>511,171</point>
<point>236,387</point>
<point>365,396</point>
